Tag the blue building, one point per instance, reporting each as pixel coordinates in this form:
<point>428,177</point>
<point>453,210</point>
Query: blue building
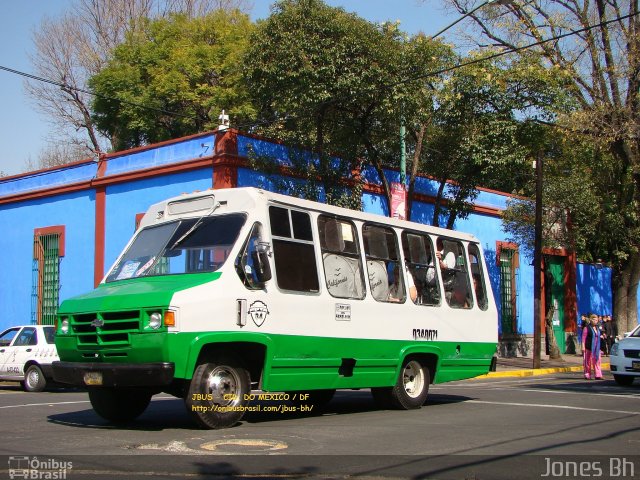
<point>63,227</point>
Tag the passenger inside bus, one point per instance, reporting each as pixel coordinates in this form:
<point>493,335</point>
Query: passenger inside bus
<point>383,266</point>
<point>340,258</point>
<point>454,273</point>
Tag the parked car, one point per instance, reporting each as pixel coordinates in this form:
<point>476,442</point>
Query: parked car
<point>26,353</point>
<point>625,358</point>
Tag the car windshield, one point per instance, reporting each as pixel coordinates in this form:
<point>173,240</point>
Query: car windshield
<point>49,335</point>
<point>185,246</point>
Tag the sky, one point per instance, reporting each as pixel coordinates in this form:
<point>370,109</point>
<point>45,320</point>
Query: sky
<point>24,130</point>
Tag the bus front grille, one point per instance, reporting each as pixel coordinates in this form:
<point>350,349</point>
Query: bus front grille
<point>106,328</point>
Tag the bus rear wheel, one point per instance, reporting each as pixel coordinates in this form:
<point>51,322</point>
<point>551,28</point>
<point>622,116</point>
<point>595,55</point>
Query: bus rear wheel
<point>218,393</point>
<point>119,405</point>
<point>411,388</point>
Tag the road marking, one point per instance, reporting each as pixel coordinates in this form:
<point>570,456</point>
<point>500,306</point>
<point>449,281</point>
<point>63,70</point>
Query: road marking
<point>577,389</point>
<point>562,407</point>
<point>41,404</point>
<point>51,404</point>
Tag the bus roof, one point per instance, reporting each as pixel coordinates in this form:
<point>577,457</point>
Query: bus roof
<point>246,197</point>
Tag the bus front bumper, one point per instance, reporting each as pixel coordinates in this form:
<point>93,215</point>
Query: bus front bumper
<point>114,374</point>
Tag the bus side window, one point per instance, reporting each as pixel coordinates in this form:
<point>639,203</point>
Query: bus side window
<point>383,265</point>
<point>293,250</point>
<point>341,257</point>
<point>420,258</point>
<point>455,277</point>
<point>252,265</point>
<point>478,276</point>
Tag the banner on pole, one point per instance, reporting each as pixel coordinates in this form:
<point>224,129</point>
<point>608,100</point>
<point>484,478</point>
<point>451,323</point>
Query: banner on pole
<point>398,201</point>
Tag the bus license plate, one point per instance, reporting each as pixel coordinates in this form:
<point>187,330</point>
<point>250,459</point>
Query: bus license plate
<point>93,378</point>
<point>635,365</point>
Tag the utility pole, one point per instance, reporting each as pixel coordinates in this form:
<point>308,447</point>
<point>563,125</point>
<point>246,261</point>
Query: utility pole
<point>537,266</point>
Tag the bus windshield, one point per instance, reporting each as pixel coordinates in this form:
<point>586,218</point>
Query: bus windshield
<point>185,246</point>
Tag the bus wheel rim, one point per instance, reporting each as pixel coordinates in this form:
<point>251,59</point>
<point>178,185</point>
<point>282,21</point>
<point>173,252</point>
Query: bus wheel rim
<point>224,385</point>
<point>413,379</point>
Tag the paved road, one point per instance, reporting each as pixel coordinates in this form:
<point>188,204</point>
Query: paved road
<point>480,428</point>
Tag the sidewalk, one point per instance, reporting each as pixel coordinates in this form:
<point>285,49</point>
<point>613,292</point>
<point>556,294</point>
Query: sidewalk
<point>523,366</point>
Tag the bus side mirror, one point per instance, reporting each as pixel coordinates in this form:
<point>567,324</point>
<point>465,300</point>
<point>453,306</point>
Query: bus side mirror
<point>261,263</point>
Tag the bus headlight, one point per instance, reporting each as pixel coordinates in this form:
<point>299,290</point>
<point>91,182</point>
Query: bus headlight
<point>64,325</point>
<point>155,320</point>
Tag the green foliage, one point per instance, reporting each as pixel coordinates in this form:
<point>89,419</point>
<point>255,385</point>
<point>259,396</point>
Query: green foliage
<point>584,182</point>
<point>325,78</point>
<point>172,78</point>
<point>313,177</point>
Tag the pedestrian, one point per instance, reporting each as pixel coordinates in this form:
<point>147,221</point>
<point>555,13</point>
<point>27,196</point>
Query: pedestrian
<point>583,322</point>
<point>611,331</point>
<point>603,336</point>
<point>591,348</point>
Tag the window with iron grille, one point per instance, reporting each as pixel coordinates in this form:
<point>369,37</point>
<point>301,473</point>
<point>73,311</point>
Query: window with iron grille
<point>48,248</point>
<point>507,256</point>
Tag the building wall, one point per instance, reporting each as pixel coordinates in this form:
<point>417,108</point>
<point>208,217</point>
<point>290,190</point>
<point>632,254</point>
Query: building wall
<point>97,202</point>
<point>75,211</point>
<point>594,289</point>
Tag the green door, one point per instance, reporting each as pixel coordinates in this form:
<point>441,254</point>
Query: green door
<point>556,268</point>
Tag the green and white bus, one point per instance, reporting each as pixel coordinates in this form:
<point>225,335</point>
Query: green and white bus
<point>225,292</point>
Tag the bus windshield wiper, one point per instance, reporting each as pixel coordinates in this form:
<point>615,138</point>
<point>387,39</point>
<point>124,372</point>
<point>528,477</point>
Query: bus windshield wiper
<point>194,226</point>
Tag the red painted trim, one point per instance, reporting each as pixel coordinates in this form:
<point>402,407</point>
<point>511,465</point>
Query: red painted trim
<point>570,286</point>
<point>226,143</point>
<point>53,230</point>
<point>99,235</point>
<point>507,246</point>
<point>86,161</point>
<point>138,220</point>
<point>225,176</point>
<point>152,172</point>
<point>570,294</point>
<point>46,192</point>
<point>153,146</point>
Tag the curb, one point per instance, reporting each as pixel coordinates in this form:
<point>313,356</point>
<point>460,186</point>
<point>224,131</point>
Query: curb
<point>534,372</point>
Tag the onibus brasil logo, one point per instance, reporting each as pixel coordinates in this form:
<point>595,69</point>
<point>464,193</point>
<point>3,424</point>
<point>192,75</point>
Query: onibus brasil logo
<point>33,468</point>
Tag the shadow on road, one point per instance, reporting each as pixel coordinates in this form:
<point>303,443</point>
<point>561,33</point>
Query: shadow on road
<point>170,413</point>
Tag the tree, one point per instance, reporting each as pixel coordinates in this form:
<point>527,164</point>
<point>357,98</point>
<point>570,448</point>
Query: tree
<point>326,78</point>
<point>601,64</point>
<point>476,132</point>
<point>55,153</point>
<point>169,78</point>
<point>71,49</point>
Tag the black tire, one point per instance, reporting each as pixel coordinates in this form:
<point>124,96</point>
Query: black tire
<point>119,405</point>
<point>623,380</point>
<point>317,398</point>
<point>34,379</point>
<point>412,387</point>
<point>218,393</point>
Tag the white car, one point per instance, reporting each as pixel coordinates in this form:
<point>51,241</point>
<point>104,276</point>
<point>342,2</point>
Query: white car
<point>625,358</point>
<point>26,353</point>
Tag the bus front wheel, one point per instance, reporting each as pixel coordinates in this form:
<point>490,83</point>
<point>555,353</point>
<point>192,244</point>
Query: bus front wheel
<point>411,388</point>
<point>119,405</point>
<point>218,393</point>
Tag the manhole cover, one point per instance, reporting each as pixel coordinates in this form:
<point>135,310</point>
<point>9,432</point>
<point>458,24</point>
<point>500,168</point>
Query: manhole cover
<point>244,444</point>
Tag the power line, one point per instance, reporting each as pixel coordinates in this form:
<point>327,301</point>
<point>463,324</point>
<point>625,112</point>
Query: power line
<point>69,88</point>
<point>513,50</point>
<point>434,73</point>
